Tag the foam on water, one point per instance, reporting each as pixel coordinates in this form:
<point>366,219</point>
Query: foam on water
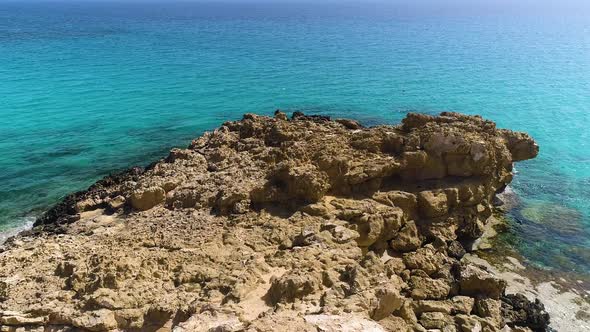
<point>22,224</point>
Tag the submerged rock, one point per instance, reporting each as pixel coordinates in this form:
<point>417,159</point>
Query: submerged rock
<point>304,224</point>
<point>558,219</point>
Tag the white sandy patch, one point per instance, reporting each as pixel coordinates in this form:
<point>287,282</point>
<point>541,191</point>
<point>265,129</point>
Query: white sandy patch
<point>568,310</point>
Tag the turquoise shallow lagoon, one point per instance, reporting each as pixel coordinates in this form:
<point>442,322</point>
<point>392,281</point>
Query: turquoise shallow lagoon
<point>88,88</point>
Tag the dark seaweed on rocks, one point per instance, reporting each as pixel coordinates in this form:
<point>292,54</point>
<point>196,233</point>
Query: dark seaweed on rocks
<point>318,118</point>
<point>519,311</point>
<point>67,211</point>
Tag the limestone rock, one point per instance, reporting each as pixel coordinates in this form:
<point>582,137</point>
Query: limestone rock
<point>207,321</point>
<point>407,313</point>
<point>287,320</point>
<point>394,323</point>
<point>291,286</point>
<point>462,304</point>
<point>407,239</point>
<point>116,203</point>
<point>388,300</point>
<point>432,203</point>
<point>304,224</point>
<point>490,308</point>
<point>350,124</point>
<point>406,201</point>
<point>281,115</point>
<point>521,145</point>
<point>435,320</point>
<point>18,319</point>
<point>395,265</point>
<point>145,199</point>
<point>468,323</point>
<point>474,281</point>
<point>433,306</point>
<point>425,259</point>
<point>336,323</point>
<point>425,288</point>
<point>456,250</point>
<point>99,320</point>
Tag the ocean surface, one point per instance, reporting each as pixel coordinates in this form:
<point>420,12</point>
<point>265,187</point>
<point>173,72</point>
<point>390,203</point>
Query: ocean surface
<point>91,88</point>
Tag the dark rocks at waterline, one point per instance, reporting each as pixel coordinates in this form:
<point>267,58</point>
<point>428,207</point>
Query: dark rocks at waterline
<point>517,310</point>
<point>69,209</point>
<point>302,116</point>
<point>456,250</point>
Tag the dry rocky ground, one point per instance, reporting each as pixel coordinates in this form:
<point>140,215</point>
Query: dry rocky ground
<point>277,224</point>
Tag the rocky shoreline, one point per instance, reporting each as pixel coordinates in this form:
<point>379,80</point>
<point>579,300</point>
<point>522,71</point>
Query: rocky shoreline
<point>266,224</point>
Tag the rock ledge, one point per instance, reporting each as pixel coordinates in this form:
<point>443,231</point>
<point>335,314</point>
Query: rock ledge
<point>301,224</point>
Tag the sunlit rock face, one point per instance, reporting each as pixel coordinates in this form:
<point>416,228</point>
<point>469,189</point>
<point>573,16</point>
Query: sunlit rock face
<point>304,223</point>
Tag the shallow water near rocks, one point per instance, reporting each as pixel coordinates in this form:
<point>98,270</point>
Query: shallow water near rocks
<point>87,89</point>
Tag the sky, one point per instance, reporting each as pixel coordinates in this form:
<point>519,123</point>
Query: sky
<point>413,2</point>
<point>581,7</point>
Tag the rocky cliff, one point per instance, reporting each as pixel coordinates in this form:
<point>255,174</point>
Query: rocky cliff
<point>277,224</point>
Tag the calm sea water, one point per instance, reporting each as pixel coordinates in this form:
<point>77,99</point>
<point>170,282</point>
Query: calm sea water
<point>86,89</point>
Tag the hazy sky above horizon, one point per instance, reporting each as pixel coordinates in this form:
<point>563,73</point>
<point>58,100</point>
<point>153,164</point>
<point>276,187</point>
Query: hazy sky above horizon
<point>578,7</point>
<point>406,2</point>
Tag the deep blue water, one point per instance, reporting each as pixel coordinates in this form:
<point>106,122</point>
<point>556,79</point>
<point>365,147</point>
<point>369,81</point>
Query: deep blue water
<point>86,89</point>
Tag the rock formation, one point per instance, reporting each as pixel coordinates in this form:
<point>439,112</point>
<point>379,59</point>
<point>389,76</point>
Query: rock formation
<point>276,224</point>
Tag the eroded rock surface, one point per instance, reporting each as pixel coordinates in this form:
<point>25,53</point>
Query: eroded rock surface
<point>267,224</point>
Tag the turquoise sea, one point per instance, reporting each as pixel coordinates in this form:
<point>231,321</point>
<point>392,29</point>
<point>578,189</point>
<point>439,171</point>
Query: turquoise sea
<point>90,88</point>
